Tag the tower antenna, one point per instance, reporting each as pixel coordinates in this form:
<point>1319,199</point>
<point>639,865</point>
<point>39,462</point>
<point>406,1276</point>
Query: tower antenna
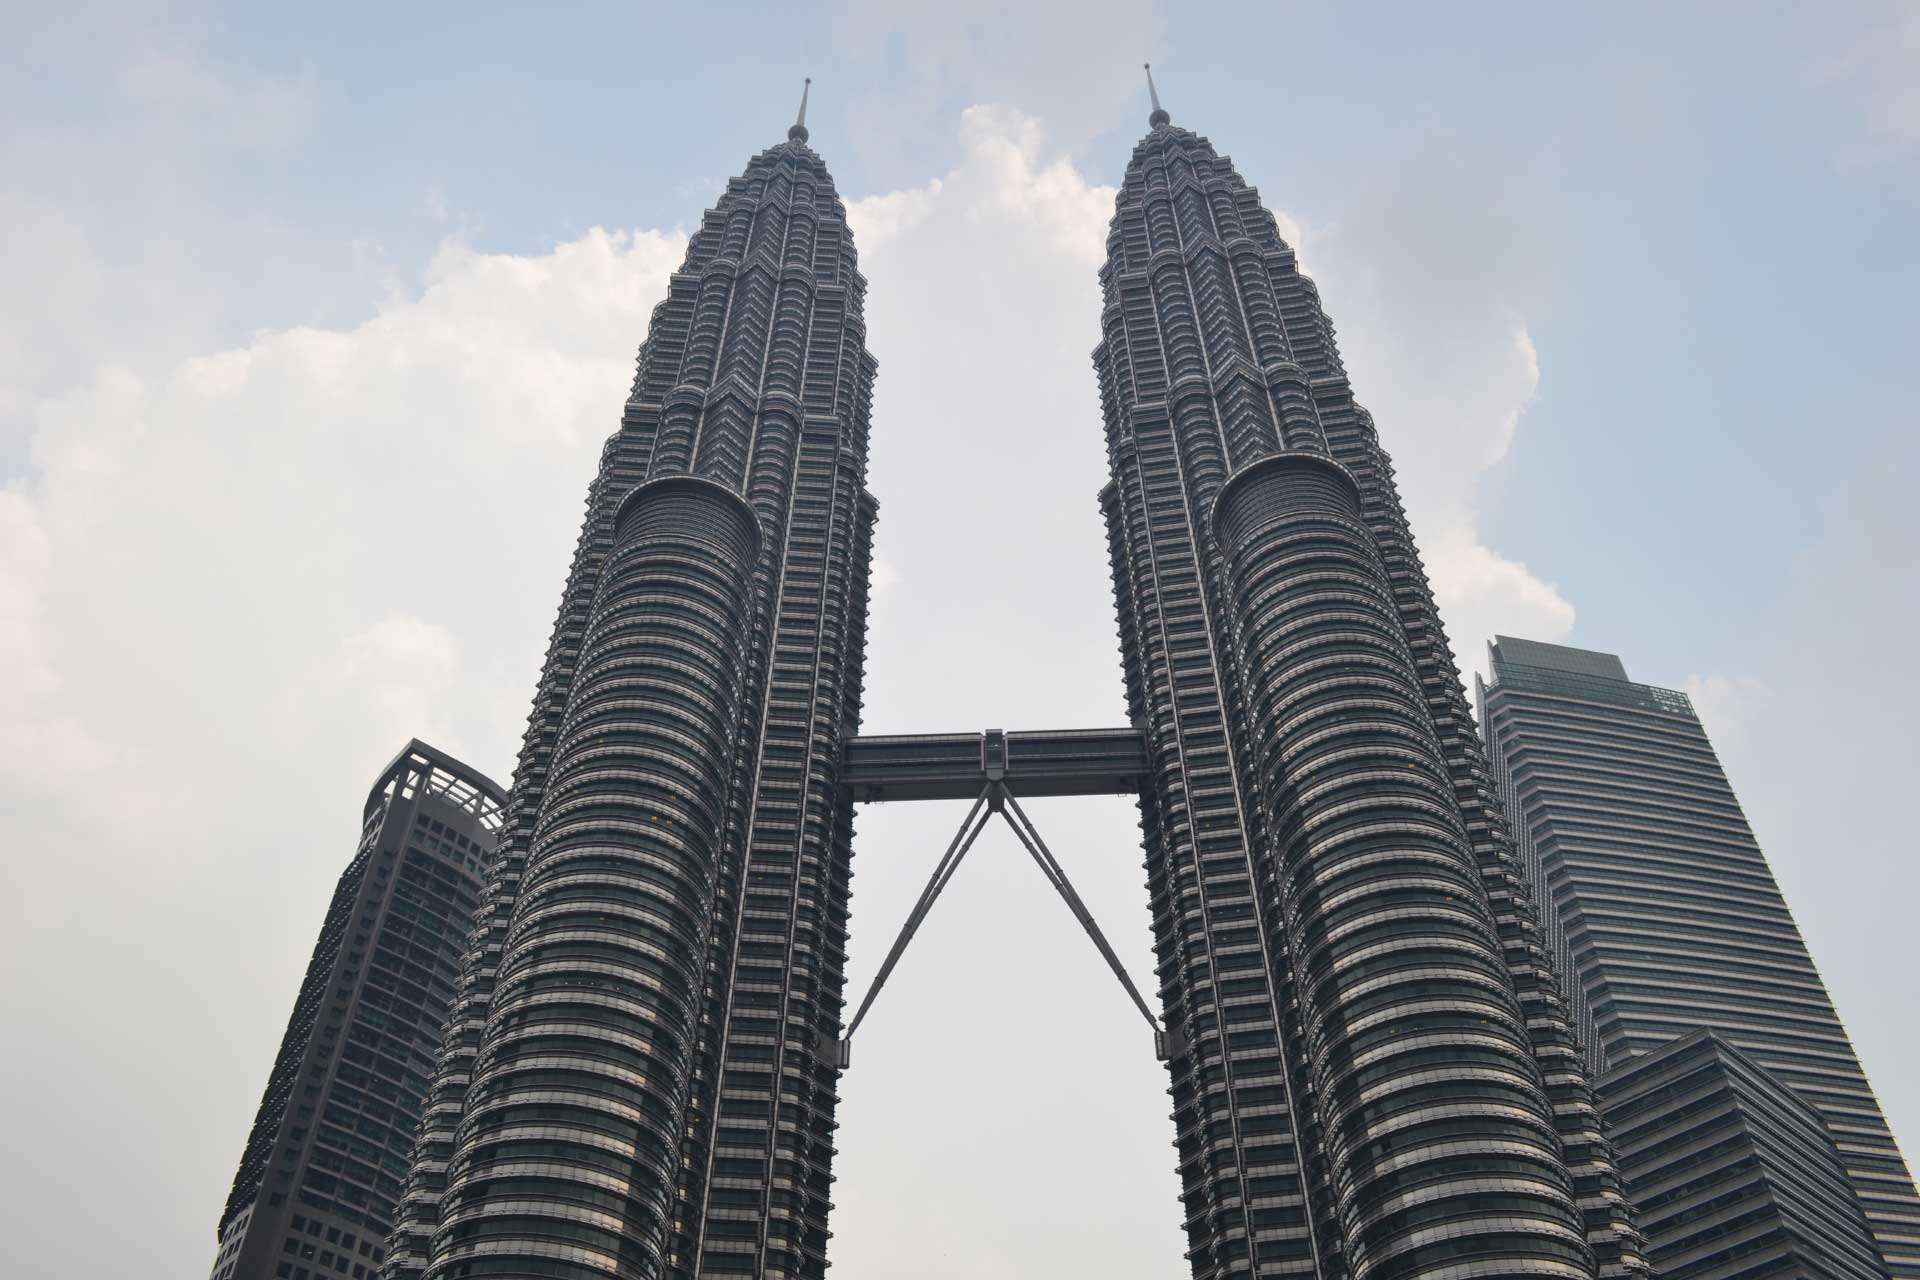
<point>799,131</point>
<point>1159,116</point>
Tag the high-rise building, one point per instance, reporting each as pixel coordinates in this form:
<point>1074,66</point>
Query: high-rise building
<point>1661,906</point>
<point>323,1166</point>
<point>1732,1176</point>
<point>1375,1074</point>
<point>632,1083</point>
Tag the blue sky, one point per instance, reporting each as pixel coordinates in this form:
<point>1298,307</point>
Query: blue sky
<point>1629,290</point>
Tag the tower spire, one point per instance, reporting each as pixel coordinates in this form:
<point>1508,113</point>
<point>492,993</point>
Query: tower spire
<point>1159,116</point>
<point>799,131</point>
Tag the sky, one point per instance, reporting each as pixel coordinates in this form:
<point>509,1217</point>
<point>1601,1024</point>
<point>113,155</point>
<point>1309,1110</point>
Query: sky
<point>317,316</point>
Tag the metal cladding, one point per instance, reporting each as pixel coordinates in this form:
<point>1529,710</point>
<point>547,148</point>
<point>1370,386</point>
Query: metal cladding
<point>1374,1076</point>
<point>1732,1175</point>
<point>597,1005</point>
<point>631,1085</point>
<point>316,1188</point>
<point>1661,905</point>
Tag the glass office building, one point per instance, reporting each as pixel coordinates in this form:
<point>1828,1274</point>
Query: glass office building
<point>1732,1175</point>
<point>314,1195</point>
<point>1661,906</point>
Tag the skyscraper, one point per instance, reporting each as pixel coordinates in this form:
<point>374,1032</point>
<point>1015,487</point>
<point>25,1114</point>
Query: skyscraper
<point>1733,1177</point>
<point>1373,1072</point>
<point>323,1166</point>
<point>1376,1074</point>
<point>1661,905</point>
<point>632,1084</point>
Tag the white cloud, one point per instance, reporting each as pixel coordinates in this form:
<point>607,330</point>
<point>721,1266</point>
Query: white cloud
<point>405,666</point>
<point>229,591</point>
<point>243,516</point>
<point>1447,366</point>
<point>878,219</point>
<point>1729,706</point>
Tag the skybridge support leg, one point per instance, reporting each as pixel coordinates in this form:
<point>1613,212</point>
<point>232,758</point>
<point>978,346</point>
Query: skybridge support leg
<point>996,798</point>
<point>1056,876</point>
<point>970,828</point>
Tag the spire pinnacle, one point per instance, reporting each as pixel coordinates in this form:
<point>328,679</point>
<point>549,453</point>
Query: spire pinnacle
<point>1159,116</point>
<point>799,131</point>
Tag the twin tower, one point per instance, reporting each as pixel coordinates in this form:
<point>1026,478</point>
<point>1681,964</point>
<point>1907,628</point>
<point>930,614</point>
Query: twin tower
<point>1371,1065</point>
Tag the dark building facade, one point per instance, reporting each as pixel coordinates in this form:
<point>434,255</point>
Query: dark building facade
<point>314,1195</point>
<point>1661,905</point>
<point>1373,1071</point>
<point>632,1084</point>
<point>1732,1176</point>
<point>1375,1074</point>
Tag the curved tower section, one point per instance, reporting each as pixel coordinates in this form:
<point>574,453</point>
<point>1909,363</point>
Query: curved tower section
<point>631,1086</point>
<point>1373,1073</point>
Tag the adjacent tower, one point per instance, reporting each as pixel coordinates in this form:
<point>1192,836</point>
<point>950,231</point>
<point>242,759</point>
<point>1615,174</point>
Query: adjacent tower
<point>632,1085</point>
<point>315,1192</point>
<point>1661,905</point>
<point>1373,1072</point>
<point>1732,1176</point>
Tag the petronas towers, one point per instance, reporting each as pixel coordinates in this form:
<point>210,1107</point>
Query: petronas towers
<point>1380,1078</point>
<point>1370,1059</point>
<point>630,1086</point>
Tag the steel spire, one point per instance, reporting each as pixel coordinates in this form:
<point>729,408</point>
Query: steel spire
<point>799,131</point>
<point>1159,116</point>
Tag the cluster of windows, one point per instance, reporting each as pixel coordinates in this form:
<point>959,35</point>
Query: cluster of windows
<point>232,1237</point>
<point>449,843</point>
<point>1733,1174</point>
<point>317,1251</point>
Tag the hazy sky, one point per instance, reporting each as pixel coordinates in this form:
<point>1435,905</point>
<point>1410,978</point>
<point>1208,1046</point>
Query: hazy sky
<point>315,323</point>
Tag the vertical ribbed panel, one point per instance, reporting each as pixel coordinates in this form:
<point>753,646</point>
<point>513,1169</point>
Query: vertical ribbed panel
<point>754,377</point>
<point>1216,354</point>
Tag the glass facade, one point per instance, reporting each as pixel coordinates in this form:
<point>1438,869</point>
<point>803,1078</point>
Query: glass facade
<point>323,1166</point>
<point>1732,1175</point>
<point>1662,905</point>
